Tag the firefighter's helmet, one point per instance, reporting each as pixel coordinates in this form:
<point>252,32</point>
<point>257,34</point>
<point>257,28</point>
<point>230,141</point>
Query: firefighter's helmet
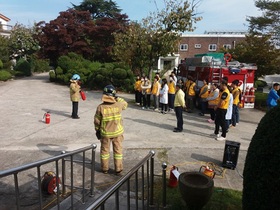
<point>109,90</point>
<point>76,77</point>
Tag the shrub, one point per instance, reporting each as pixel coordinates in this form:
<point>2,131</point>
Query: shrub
<point>260,83</point>
<point>58,71</point>
<point>5,75</point>
<point>71,61</point>
<point>261,171</point>
<point>52,76</point>
<point>260,100</point>
<point>1,64</point>
<point>40,65</point>
<point>24,67</point>
<point>119,73</point>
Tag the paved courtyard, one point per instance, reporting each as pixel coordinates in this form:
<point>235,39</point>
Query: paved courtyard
<point>25,138</point>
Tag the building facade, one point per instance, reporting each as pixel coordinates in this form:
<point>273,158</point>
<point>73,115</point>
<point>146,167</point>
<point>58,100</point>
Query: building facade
<point>191,44</point>
<point>5,29</point>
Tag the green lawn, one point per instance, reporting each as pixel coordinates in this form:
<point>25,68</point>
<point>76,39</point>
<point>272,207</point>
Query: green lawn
<point>222,199</point>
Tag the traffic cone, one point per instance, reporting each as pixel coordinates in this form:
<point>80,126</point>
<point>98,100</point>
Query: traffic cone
<point>173,177</point>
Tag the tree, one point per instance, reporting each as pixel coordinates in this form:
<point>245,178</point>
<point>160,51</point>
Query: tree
<point>269,22</point>
<point>99,8</point>
<point>102,36</point>
<point>258,50</point>
<point>22,43</point>
<point>157,35</point>
<point>4,49</point>
<point>107,21</point>
<point>69,32</point>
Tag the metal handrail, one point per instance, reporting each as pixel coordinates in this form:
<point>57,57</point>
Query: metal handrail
<point>100,201</point>
<point>38,164</point>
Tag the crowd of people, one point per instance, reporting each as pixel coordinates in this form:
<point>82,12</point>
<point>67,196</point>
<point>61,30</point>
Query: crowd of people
<point>221,100</point>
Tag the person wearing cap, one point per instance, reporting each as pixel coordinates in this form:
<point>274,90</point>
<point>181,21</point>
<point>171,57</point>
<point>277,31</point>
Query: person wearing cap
<point>179,105</point>
<point>75,89</point>
<point>109,128</point>
<point>273,97</point>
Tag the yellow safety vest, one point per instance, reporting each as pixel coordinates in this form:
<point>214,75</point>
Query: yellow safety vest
<point>225,102</point>
<point>155,89</point>
<point>171,88</point>
<point>204,95</point>
<point>235,94</point>
<point>215,101</point>
<point>191,91</point>
<point>137,85</point>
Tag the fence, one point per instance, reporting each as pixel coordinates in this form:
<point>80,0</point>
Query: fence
<point>57,160</point>
<point>149,162</point>
<point>146,180</point>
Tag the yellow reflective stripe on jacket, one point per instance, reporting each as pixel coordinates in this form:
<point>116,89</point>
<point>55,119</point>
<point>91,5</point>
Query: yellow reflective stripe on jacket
<point>115,120</point>
<point>118,156</point>
<point>105,156</point>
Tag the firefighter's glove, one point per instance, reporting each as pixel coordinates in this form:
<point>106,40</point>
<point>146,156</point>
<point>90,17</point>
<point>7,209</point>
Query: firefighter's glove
<point>98,134</point>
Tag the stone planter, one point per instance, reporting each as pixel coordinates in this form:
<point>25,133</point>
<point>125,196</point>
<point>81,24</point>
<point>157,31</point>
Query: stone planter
<point>196,189</point>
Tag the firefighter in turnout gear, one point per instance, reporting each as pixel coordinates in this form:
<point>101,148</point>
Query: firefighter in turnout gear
<point>109,128</point>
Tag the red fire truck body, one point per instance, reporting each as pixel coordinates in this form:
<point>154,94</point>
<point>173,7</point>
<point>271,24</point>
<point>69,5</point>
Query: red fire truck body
<point>216,66</point>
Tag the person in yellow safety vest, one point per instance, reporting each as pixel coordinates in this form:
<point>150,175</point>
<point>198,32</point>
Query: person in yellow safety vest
<point>171,93</point>
<point>221,110</point>
<point>109,128</point>
<point>137,89</point>
<point>179,104</point>
<point>203,94</point>
<point>190,95</point>
<point>155,92</point>
<point>235,93</point>
<point>213,100</point>
<point>146,93</point>
<point>187,85</point>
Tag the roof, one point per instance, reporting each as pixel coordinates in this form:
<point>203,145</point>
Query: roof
<point>4,17</point>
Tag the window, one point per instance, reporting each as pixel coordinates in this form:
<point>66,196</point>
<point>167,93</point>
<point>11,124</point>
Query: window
<point>183,47</point>
<point>212,47</point>
<point>197,46</point>
<point>227,46</point>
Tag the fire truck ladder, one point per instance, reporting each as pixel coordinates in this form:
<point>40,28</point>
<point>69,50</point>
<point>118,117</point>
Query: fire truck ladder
<point>216,75</point>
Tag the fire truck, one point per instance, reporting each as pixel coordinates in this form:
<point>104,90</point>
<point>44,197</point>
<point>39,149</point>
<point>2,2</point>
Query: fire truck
<point>217,66</point>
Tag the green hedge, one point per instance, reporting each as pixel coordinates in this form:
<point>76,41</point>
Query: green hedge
<point>23,68</point>
<point>260,100</point>
<point>1,64</point>
<point>94,75</point>
<point>39,65</point>
<point>5,75</point>
<point>261,172</point>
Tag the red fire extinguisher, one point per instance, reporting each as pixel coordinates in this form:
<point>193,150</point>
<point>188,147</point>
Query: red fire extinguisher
<point>83,95</point>
<point>247,90</point>
<point>47,118</point>
<point>252,91</point>
<point>173,178</point>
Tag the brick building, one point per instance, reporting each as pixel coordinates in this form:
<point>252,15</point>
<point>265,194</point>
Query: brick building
<point>191,44</point>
